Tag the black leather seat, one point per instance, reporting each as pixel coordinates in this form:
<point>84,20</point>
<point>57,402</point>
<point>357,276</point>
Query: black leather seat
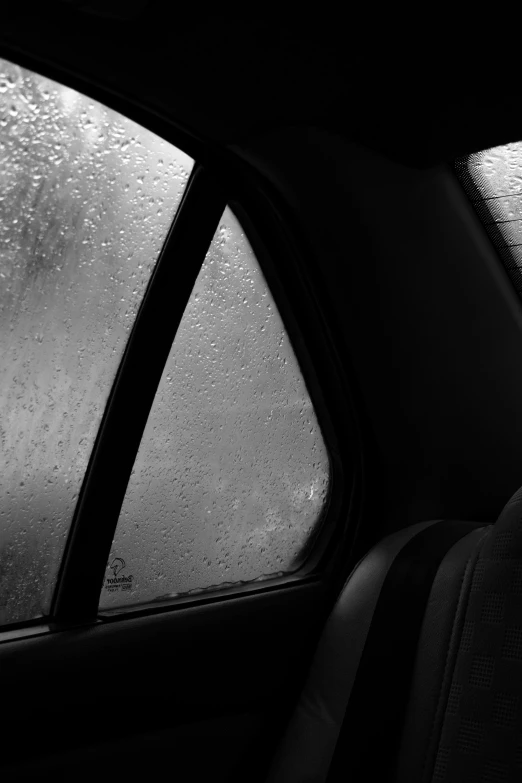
<point>463,719</point>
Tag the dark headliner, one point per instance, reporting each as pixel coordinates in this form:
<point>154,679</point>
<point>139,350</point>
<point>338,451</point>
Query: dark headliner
<point>228,76</point>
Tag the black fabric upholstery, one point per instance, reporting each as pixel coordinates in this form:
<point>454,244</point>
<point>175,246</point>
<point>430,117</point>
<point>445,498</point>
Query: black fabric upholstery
<point>481,697</point>
<point>376,710</point>
<point>463,721</point>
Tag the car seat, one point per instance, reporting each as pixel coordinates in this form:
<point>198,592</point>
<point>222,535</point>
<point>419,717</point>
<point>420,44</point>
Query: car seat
<point>417,676</point>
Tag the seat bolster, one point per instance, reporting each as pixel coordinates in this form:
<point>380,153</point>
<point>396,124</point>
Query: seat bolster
<point>434,642</point>
<point>306,751</point>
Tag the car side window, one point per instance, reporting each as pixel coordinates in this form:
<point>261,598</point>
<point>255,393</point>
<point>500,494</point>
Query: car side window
<point>492,179</point>
<point>86,200</point>
<point>232,474</point>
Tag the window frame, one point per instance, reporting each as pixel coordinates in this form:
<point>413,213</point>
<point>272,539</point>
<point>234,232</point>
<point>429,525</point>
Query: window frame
<point>219,178</point>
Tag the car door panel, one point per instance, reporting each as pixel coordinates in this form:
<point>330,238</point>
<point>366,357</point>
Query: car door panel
<point>148,683</point>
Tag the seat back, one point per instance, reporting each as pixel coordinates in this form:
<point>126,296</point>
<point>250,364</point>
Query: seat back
<point>464,680</point>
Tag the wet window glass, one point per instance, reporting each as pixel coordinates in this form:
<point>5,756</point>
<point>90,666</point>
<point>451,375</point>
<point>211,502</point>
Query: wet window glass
<point>232,474</point>
<point>86,200</point>
<point>493,180</point>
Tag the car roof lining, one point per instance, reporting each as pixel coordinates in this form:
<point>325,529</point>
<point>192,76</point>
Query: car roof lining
<point>228,75</point>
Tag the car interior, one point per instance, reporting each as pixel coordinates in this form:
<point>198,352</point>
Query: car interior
<point>392,648</point>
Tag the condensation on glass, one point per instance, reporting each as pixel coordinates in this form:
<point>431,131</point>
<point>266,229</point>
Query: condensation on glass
<point>497,174</point>
<point>232,472</point>
<point>86,200</point>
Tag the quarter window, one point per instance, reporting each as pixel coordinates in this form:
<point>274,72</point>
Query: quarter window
<point>232,474</point>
